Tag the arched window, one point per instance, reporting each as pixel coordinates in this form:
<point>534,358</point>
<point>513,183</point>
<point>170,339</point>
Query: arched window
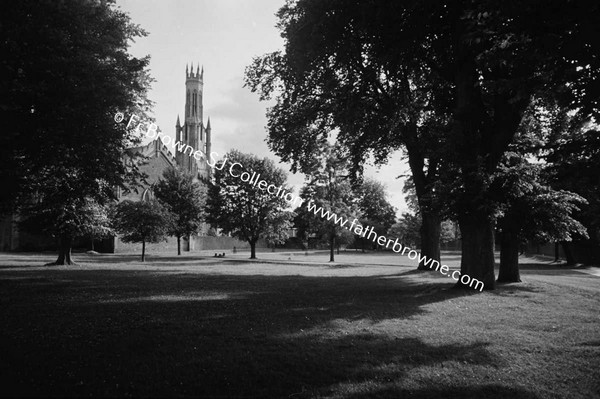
<point>187,101</point>
<point>147,195</point>
<point>195,111</point>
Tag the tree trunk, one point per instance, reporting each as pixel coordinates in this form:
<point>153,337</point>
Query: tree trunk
<point>556,254</point>
<point>477,259</point>
<point>431,227</point>
<point>509,258</point>
<point>178,245</point>
<point>64,252</point>
<point>143,251</point>
<point>252,249</point>
<point>92,244</point>
<point>331,247</point>
<point>568,254</point>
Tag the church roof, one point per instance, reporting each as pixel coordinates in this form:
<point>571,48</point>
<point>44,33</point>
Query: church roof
<point>155,148</point>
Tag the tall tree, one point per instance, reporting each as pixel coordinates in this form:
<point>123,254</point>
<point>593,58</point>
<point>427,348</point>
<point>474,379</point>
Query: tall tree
<point>530,210</point>
<point>186,200</point>
<point>375,209</point>
<point>68,75</point>
<point>238,207</point>
<point>327,200</point>
<point>142,221</point>
<point>572,155</point>
<point>344,74</point>
<point>500,57</point>
<point>328,196</point>
<point>356,66</point>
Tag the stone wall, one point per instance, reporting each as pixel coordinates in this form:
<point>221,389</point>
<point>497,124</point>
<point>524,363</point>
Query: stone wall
<point>224,242</point>
<point>200,243</point>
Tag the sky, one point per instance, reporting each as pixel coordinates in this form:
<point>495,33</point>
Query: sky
<point>222,36</point>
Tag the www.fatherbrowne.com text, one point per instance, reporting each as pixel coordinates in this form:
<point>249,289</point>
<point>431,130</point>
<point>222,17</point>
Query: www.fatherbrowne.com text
<point>237,170</point>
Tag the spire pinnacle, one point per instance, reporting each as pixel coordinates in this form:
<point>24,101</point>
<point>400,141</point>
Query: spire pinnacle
<point>178,123</point>
<point>186,70</point>
<point>208,124</point>
<point>202,73</point>
<point>198,70</point>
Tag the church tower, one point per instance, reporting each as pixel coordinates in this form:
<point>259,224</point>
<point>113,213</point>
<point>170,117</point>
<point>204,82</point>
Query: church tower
<point>193,133</point>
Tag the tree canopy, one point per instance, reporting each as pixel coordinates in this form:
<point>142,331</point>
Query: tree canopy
<point>142,221</point>
<point>374,208</point>
<point>448,81</point>
<point>239,208</point>
<point>186,200</point>
<point>68,74</point>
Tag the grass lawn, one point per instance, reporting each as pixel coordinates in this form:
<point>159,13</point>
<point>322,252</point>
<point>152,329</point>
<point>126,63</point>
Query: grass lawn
<point>361,328</point>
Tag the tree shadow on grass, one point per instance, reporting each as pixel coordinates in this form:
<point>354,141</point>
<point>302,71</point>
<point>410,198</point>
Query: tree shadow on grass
<point>123,333</point>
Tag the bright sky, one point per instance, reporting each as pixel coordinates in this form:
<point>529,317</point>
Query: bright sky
<point>223,36</point>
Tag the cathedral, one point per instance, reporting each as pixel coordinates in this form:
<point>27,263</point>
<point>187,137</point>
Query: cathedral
<point>159,156</point>
<point>192,133</point>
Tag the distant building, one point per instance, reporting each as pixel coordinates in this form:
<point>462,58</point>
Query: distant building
<point>192,133</point>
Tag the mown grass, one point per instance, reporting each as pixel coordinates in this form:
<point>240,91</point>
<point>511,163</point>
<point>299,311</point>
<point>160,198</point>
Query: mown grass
<point>162,329</point>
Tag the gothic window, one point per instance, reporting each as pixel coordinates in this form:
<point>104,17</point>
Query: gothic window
<point>195,102</point>
<point>187,100</point>
<point>146,195</point>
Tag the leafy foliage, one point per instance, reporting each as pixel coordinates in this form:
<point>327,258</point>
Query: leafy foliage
<point>78,218</point>
<point>142,221</point>
<point>407,230</point>
<point>375,210</point>
<point>279,228</point>
<point>572,156</point>
<point>329,191</point>
<point>531,209</point>
<point>67,76</point>
<point>335,197</point>
<point>186,200</point>
<point>242,210</point>
<point>449,81</point>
